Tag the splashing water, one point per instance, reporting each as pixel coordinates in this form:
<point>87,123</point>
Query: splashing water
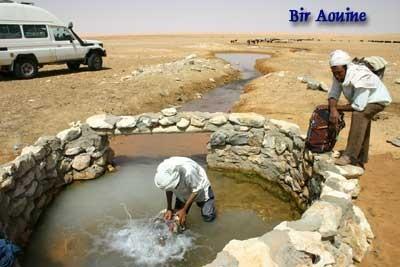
<point>145,241</point>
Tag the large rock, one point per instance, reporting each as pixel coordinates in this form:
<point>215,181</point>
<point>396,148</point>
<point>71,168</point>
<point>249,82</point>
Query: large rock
<point>286,126</point>
<point>322,216</point>
<point>73,151</point>
<point>39,152</point>
<point>168,112</point>
<point>183,123</point>
<point>81,162</point>
<point>238,138</point>
<point>7,183</point>
<point>297,248</point>
<point>197,120</point>
<point>167,121</point>
<point>24,163</point>
<point>69,134</point>
<point>310,242</point>
<point>363,223</point>
<point>247,119</point>
<point>250,252</point>
<point>127,122</point>
<point>218,119</point>
<point>352,234</point>
<point>224,259</point>
<point>17,207</point>
<point>168,129</point>
<point>52,142</point>
<point>92,172</point>
<point>102,121</point>
<point>350,171</point>
<point>218,138</point>
<point>246,150</point>
<point>340,183</point>
<point>88,139</point>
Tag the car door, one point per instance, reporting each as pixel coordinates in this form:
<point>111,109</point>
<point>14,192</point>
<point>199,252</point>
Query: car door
<point>36,40</point>
<point>66,47</point>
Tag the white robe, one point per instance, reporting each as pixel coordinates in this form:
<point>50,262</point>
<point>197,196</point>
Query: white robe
<point>189,177</point>
<point>360,87</point>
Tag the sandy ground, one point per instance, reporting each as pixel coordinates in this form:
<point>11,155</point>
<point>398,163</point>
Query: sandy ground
<point>47,104</point>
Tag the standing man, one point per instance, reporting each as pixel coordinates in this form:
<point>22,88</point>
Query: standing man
<point>188,181</point>
<point>367,96</point>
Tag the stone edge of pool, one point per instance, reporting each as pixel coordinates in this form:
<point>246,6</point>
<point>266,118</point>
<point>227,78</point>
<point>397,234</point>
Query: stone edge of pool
<point>331,232</point>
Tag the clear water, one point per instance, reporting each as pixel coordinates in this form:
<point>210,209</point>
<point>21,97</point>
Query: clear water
<point>108,221</point>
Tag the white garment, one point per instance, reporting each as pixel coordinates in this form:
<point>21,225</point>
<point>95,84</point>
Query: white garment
<point>183,177</point>
<point>360,87</point>
<point>339,58</point>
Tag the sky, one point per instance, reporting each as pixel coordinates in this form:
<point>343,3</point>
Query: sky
<point>217,16</point>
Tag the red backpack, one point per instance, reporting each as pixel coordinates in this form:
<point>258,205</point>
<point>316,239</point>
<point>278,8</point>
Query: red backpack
<point>321,136</point>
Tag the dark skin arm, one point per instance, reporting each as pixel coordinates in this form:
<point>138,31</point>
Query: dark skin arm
<point>182,212</point>
<point>334,109</point>
<point>168,214</point>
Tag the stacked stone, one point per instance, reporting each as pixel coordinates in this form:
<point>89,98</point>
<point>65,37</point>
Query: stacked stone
<point>331,232</point>
<point>270,148</point>
<point>167,121</point>
<point>30,182</point>
<point>246,141</point>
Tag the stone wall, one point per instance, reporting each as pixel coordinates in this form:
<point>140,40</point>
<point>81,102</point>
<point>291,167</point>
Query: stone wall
<point>30,182</point>
<point>331,232</point>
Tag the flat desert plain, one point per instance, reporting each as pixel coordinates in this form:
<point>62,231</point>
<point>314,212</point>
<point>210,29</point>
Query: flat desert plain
<point>47,104</point>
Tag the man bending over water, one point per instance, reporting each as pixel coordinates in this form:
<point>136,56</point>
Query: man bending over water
<point>188,181</point>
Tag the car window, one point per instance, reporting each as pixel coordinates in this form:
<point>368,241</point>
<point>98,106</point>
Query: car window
<point>61,34</point>
<point>35,31</point>
<point>10,31</point>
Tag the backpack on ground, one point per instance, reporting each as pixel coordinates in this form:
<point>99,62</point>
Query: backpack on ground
<point>321,135</point>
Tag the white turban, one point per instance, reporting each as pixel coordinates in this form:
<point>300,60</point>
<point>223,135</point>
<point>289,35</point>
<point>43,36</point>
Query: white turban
<point>339,58</point>
<point>166,178</point>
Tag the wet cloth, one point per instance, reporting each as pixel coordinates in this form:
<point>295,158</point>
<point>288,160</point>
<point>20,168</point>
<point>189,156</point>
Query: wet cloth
<point>8,252</point>
<point>208,211</point>
<point>182,176</point>
<point>360,129</point>
<point>360,87</point>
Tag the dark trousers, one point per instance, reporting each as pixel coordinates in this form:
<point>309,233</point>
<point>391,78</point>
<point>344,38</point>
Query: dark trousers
<point>358,141</point>
<point>208,211</point>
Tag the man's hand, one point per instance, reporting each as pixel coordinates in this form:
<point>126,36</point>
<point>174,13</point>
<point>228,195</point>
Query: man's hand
<point>168,215</point>
<point>182,216</point>
<point>334,116</point>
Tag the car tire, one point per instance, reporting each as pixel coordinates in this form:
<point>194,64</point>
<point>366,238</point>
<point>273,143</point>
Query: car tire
<point>73,66</point>
<point>26,68</point>
<point>95,61</point>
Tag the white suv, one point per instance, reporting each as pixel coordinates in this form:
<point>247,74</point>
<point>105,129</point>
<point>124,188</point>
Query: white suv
<point>31,37</point>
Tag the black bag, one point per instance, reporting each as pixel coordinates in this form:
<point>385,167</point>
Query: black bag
<point>322,135</point>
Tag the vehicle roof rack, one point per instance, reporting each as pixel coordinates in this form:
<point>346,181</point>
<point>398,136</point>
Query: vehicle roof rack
<point>28,3</point>
<point>6,1</point>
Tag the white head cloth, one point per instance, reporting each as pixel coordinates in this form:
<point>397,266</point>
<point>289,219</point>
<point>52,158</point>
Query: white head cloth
<point>166,178</point>
<point>339,58</point>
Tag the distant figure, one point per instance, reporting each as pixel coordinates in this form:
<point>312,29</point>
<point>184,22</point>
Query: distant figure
<point>188,181</point>
<point>367,96</point>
